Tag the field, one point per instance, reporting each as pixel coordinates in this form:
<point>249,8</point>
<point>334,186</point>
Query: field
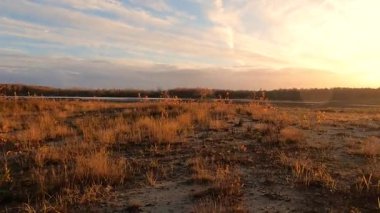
<point>170,156</point>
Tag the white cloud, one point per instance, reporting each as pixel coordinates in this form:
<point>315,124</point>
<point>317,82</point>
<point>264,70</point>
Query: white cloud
<point>240,35</point>
<point>71,72</point>
<point>100,33</point>
<point>158,5</point>
<point>94,4</point>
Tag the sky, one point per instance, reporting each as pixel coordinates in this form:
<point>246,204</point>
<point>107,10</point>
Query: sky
<point>159,44</point>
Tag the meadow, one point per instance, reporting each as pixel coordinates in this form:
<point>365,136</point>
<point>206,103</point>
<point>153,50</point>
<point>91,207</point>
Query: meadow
<point>187,156</point>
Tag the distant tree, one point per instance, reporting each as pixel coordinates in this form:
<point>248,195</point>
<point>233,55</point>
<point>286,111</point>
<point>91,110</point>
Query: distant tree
<point>205,93</point>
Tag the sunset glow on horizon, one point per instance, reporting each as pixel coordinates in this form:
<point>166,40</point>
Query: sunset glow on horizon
<point>234,44</point>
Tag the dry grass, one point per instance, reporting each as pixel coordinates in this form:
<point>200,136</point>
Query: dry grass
<point>75,172</point>
<point>99,167</point>
<point>58,155</point>
<point>68,147</point>
<point>226,186</point>
<point>151,178</point>
<point>368,183</point>
<point>159,131</point>
<point>308,173</point>
<point>211,206</point>
<point>268,133</point>
<point>42,128</point>
<point>291,134</point>
<point>261,127</point>
<point>227,182</point>
<point>49,165</point>
<point>371,147</point>
<point>201,172</point>
<point>217,124</point>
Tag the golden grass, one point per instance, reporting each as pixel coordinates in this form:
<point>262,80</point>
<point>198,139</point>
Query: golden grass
<point>209,206</point>
<point>226,186</point>
<point>159,131</point>
<point>75,167</point>
<point>201,172</point>
<point>261,127</point>
<point>291,134</point>
<point>6,177</point>
<point>370,147</point>
<point>308,173</point>
<point>202,117</point>
<point>63,172</point>
<point>68,146</point>
<point>151,178</point>
<point>99,167</point>
<point>227,182</point>
<point>59,154</point>
<point>42,128</point>
<point>268,133</point>
<point>217,124</point>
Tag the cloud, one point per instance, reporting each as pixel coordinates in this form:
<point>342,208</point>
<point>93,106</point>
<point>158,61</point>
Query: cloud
<point>92,4</point>
<point>100,33</point>
<point>70,29</point>
<point>71,72</point>
<point>224,21</point>
<point>158,5</point>
<point>204,40</point>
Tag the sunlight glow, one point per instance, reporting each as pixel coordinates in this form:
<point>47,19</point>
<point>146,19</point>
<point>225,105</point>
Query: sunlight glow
<point>312,43</point>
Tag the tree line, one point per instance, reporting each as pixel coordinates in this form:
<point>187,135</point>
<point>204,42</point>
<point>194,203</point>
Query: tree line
<point>357,95</point>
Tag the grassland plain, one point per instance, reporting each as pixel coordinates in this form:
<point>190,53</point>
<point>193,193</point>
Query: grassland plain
<point>169,156</point>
